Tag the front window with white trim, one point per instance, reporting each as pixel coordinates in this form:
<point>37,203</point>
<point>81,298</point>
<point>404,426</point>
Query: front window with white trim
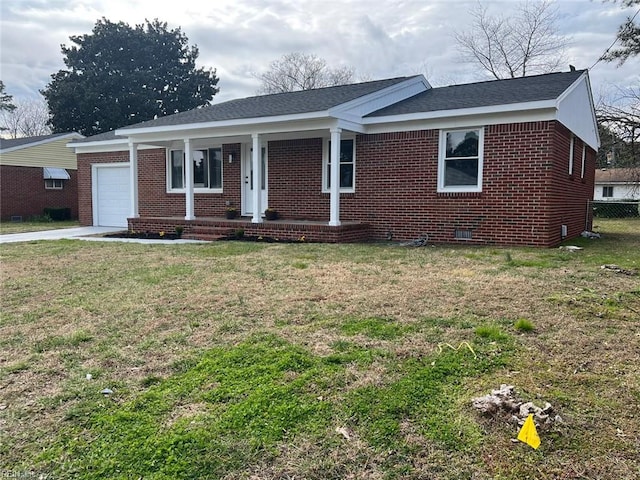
<point>207,170</point>
<point>53,184</point>
<point>460,160</point>
<point>347,166</point>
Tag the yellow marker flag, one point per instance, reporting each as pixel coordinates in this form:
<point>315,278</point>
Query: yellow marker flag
<point>528,433</point>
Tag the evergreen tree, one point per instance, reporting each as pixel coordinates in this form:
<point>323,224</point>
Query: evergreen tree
<point>120,75</point>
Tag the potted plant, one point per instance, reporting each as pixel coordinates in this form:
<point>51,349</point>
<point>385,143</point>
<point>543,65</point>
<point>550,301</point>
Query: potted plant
<point>231,213</point>
<point>271,214</point>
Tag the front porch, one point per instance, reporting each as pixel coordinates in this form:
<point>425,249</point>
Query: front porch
<point>213,228</point>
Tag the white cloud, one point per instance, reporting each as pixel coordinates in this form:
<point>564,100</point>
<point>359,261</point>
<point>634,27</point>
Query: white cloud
<point>378,38</point>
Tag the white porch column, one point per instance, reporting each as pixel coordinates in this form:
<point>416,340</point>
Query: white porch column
<point>256,160</point>
<point>334,217</point>
<point>133,179</point>
<point>188,179</point>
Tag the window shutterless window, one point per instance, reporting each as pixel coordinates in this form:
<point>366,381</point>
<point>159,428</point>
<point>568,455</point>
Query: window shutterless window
<point>460,160</point>
<point>347,166</point>
<point>207,169</point>
<point>571,149</point>
<point>53,184</point>
<point>607,192</point>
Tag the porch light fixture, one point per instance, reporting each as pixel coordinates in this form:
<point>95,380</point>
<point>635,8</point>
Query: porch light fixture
<point>231,158</point>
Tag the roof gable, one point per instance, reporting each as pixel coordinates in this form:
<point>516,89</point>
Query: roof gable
<point>11,144</point>
<point>42,151</point>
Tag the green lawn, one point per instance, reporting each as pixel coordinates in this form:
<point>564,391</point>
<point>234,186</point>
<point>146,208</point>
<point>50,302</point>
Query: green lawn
<point>32,226</point>
<point>239,360</point>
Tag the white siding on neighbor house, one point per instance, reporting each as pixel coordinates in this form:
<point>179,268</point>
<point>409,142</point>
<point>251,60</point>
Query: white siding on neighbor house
<point>621,191</point>
<point>575,111</point>
<point>50,154</point>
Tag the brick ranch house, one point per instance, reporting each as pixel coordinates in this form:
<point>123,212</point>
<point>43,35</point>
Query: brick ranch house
<point>37,173</point>
<point>506,162</point>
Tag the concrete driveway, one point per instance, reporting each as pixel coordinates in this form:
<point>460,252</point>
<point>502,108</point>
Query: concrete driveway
<point>81,233</point>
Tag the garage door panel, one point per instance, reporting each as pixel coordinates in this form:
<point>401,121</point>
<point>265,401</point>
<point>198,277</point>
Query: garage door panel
<point>112,196</point>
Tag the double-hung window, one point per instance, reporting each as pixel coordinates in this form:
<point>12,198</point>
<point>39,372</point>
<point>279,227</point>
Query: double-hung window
<point>460,160</point>
<point>607,191</point>
<point>53,184</point>
<point>207,169</point>
<point>347,166</point>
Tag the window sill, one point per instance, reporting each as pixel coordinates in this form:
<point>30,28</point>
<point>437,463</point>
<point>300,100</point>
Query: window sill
<point>328,192</point>
<point>197,190</point>
<point>458,193</point>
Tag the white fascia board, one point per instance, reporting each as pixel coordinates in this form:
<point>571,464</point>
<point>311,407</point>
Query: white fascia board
<point>464,121</point>
<point>236,131</point>
<point>42,142</point>
<point>357,108</point>
<point>243,122</point>
<point>463,112</point>
<point>106,146</point>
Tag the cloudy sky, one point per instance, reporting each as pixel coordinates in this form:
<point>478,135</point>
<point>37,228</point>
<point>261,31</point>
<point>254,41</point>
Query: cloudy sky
<point>379,38</point>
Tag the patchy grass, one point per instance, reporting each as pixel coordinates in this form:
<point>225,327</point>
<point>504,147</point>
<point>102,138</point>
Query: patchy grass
<point>241,360</point>
<point>31,226</point>
<point>524,325</point>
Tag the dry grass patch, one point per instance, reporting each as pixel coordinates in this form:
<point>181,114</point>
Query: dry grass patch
<point>365,321</point>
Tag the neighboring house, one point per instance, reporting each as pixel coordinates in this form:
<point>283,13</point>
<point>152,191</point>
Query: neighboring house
<point>36,173</point>
<point>617,184</point>
<point>506,162</point>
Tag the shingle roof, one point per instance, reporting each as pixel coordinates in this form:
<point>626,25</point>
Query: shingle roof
<point>618,175</point>
<point>482,94</point>
<point>6,143</point>
<point>289,103</point>
<point>101,137</point>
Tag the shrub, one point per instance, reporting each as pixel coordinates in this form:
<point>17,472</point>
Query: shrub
<point>58,214</point>
<point>609,209</point>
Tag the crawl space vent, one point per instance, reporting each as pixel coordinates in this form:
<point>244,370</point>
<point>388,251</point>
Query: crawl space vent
<point>463,234</point>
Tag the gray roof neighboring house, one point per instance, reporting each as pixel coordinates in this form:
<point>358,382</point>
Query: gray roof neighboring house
<point>618,175</point>
<point>11,143</point>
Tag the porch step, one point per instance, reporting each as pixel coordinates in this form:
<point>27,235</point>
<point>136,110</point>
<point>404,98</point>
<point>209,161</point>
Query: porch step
<point>203,236</point>
<point>208,233</point>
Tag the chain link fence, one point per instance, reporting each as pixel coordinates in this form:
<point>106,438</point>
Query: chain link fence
<point>611,209</point>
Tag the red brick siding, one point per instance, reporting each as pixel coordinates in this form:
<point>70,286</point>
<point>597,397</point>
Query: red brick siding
<point>153,199</point>
<point>569,194</point>
<point>85,160</point>
<point>23,192</point>
<point>527,192</point>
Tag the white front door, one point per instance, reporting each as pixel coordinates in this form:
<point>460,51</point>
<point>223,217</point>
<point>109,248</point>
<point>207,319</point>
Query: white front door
<point>248,183</point>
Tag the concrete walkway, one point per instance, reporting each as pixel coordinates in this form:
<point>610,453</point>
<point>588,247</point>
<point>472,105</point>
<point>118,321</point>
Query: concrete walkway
<point>81,233</point>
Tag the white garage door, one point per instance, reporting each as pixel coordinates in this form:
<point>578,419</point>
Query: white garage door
<point>111,196</point>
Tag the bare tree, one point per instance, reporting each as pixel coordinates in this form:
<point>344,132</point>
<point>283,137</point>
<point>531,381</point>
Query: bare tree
<point>28,119</point>
<point>509,47</point>
<point>620,115</point>
<point>301,71</point>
